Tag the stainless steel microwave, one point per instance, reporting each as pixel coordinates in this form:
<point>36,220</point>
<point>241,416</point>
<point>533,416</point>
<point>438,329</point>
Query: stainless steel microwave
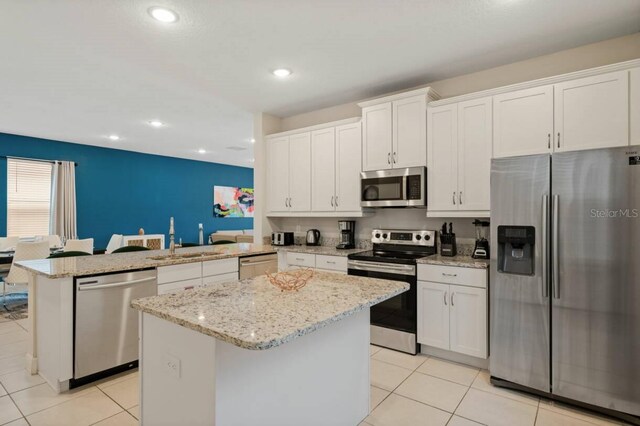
<point>394,188</point>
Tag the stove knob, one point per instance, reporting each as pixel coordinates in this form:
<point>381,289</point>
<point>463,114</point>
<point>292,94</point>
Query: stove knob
<point>377,235</point>
<point>418,237</point>
<point>427,237</point>
<point>384,236</point>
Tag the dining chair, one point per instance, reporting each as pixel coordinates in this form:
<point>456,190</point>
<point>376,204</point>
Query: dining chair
<point>115,242</point>
<point>68,254</point>
<point>189,245</point>
<point>218,242</point>
<point>24,251</point>
<point>8,242</point>
<point>54,240</point>
<point>85,245</point>
<point>126,249</point>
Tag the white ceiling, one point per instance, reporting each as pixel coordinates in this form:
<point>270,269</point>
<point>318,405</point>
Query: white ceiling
<point>80,70</point>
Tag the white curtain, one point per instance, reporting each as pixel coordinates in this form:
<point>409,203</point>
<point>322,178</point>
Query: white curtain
<point>63,200</point>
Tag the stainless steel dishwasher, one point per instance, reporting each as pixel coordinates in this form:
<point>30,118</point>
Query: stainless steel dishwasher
<point>252,266</point>
<point>106,327</point>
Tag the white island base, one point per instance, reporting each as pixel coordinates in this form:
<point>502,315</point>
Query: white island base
<point>189,378</point>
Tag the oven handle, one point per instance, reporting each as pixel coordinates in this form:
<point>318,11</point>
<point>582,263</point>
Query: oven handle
<point>367,266</point>
<point>405,196</point>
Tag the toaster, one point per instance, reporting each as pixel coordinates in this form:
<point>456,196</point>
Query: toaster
<point>282,238</point>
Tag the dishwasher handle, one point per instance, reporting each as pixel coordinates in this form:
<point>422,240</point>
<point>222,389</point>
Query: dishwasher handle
<point>87,287</point>
<point>263,262</point>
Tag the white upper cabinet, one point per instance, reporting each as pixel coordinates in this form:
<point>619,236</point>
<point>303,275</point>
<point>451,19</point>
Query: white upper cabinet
<point>523,122</point>
<point>459,158</point>
<point>377,137</point>
<point>300,172</point>
<point>278,174</point>
<point>323,170</point>
<point>316,172</point>
<point>442,168</point>
<point>634,105</point>
<point>394,133</point>
<point>474,154</point>
<point>348,167</point>
<point>592,112</point>
<point>409,132</point>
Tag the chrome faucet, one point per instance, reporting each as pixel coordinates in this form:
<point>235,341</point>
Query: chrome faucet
<point>172,243</point>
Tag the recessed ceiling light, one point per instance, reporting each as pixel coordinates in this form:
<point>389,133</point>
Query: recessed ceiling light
<point>114,137</point>
<point>282,72</point>
<point>252,140</point>
<point>163,15</point>
<point>202,151</point>
<point>156,123</point>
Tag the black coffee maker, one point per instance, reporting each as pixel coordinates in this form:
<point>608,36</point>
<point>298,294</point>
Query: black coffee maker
<point>347,237</point>
<point>481,250</point>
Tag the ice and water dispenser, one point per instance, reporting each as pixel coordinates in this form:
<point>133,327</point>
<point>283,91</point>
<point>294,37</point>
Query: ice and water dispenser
<point>516,249</point>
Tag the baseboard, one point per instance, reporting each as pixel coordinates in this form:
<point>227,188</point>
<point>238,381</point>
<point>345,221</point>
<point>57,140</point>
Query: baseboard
<point>455,357</point>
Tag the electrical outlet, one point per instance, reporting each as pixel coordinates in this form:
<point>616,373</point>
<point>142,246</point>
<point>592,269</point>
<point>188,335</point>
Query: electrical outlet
<point>172,365</point>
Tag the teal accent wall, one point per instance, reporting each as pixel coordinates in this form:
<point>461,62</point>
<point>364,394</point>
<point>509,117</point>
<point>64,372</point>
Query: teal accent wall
<point>119,192</point>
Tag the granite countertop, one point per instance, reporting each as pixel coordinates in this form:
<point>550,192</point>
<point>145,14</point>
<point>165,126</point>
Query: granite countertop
<point>325,250</point>
<point>253,314</point>
<point>459,260</point>
<point>103,263</point>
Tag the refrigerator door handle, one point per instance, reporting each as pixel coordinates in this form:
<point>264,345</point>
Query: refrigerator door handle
<point>554,247</point>
<point>545,243</point>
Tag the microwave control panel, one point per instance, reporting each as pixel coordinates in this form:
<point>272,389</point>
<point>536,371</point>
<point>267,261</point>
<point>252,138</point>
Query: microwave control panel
<point>414,192</point>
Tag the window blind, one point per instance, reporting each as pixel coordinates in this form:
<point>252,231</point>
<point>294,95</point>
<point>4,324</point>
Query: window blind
<point>28,197</point>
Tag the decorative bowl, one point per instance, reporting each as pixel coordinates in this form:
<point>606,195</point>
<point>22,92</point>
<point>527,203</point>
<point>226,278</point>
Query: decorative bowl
<point>291,280</point>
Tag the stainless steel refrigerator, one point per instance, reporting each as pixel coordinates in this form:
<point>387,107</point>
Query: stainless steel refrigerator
<point>565,277</point>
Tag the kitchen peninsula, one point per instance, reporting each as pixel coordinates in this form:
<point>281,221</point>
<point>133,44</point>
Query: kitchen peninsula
<point>247,353</point>
<point>54,299</point>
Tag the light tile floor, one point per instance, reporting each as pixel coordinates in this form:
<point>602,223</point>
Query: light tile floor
<point>405,390</point>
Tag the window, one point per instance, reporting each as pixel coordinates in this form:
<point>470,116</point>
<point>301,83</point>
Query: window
<point>28,197</point>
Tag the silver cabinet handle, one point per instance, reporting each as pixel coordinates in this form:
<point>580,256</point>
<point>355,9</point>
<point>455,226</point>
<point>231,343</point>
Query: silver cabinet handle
<point>545,237</point>
<point>449,275</point>
<point>554,248</point>
<point>460,197</point>
<point>330,262</point>
<point>445,297</point>
<point>300,259</point>
<point>549,140</point>
<point>336,201</point>
<point>453,298</point>
<point>389,158</point>
<point>558,139</point>
<point>332,201</point>
<point>395,157</point>
<point>290,202</point>
<point>454,197</point>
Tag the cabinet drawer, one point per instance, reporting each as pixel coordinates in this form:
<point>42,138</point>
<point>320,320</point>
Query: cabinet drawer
<point>332,263</point>
<point>217,267</point>
<point>453,275</point>
<point>301,259</point>
<point>213,279</point>
<point>179,286</point>
<point>187,271</point>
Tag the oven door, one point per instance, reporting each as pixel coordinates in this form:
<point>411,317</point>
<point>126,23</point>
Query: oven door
<point>394,321</point>
<point>394,188</point>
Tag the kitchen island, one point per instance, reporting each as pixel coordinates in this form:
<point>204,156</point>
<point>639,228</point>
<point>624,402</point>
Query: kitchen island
<point>247,353</point>
<point>52,291</point>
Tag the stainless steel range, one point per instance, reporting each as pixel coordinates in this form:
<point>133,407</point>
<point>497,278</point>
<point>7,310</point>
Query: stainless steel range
<point>394,255</point>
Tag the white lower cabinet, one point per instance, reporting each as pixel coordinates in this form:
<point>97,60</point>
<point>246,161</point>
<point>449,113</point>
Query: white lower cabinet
<point>188,276</point>
<point>453,317</point>
<point>321,262</point>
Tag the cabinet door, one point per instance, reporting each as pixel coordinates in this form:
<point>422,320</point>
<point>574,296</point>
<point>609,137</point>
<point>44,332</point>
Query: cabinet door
<point>323,172</point>
<point>376,137</point>
<point>409,132</point>
<point>592,112</point>
<point>634,106</point>
<point>468,320</point>
<point>523,122</point>
<point>474,154</point>
<point>300,172</point>
<point>278,174</point>
<point>348,167</point>
<point>442,170</point>
<point>433,314</point>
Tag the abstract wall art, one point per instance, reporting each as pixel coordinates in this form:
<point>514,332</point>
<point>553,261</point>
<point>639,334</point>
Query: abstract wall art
<point>231,201</point>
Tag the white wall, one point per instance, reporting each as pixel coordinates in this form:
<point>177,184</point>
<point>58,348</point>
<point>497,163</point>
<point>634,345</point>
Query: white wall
<point>588,56</point>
